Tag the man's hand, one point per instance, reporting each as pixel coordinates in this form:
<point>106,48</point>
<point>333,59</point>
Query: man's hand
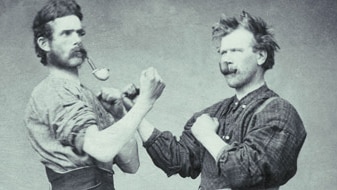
<point>204,130</point>
<point>129,96</point>
<point>111,99</point>
<point>131,91</point>
<point>204,127</point>
<point>151,87</point>
<point>118,103</point>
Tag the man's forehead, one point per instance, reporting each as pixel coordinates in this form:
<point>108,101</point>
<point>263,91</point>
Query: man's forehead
<point>70,22</point>
<point>238,38</point>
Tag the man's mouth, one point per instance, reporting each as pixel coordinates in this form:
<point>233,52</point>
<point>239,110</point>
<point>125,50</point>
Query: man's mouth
<point>79,52</point>
<point>230,72</point>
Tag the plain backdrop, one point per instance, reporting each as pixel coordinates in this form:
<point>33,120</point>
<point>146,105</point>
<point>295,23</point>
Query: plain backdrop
<point>174,36</point>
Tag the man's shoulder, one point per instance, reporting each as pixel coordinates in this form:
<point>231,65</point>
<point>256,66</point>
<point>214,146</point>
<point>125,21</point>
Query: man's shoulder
<point>52,87</point>
<point>280,103</point>
<point>282,110</point>
<point>52,92</point>
<point>43,89</point>
<point>273,100</point>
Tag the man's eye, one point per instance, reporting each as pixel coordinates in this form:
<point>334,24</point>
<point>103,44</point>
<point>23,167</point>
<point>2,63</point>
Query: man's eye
<point>81,32</point>
<point>67,32</point>
<point>236,50</point>
<point>223,52</point>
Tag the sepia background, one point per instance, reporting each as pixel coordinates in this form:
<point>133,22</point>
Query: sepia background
<point>174,36</point>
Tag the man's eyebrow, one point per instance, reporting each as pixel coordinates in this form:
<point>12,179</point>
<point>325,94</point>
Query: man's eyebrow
<point>81,31</point>
<point>236,49</point>
<point>67,30</point>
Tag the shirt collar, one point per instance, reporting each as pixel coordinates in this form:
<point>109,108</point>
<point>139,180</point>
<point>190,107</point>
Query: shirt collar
<point>254,95</point>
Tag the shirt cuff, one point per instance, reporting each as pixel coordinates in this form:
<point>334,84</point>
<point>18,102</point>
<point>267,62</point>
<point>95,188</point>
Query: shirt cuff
<point>78,140</point>
<point>155,134</point>
<point>220,154</point>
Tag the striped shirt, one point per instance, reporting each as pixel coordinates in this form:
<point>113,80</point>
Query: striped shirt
<point>264,145</point>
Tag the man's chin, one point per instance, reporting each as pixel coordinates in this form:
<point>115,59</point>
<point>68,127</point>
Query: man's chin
<point>231,83</point>
<point>76,61</point>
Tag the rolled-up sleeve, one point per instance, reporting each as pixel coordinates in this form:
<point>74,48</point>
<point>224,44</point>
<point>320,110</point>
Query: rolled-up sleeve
<point>173,156</point>
<point>183,157</point>
<point>268,153</point>
<point>57,116</point>
<point>62,112</point>
<point>70,118</point>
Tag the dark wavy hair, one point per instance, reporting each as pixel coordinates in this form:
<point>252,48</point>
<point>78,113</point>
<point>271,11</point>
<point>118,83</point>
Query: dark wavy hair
<point>263,35</point>
<point>52,10</point>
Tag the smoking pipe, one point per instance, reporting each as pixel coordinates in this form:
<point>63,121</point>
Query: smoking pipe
<point>100,74</point>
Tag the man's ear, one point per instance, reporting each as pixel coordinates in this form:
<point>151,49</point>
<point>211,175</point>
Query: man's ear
<point>261,57</point>
<point>43,43</point>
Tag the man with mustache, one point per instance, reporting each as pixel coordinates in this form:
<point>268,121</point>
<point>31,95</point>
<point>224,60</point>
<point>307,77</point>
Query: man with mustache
<point>248,141</point>
<point>77,138</point>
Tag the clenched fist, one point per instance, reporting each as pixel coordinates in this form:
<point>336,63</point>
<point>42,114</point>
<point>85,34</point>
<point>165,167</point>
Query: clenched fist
<point>151,87</point>
<point>111,99</point>
<point>204,126</point>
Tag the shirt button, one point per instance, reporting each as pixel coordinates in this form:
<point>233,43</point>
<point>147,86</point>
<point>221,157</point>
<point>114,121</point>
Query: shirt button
<point>243,106</point>
<point>227,137</point>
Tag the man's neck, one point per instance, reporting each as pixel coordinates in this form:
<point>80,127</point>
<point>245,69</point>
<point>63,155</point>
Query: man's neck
<point>242,92</point>
<point>65,73</point>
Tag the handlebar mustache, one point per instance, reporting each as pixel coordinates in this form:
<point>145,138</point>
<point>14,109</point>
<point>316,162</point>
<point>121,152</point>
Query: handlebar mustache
<point>81,50</point>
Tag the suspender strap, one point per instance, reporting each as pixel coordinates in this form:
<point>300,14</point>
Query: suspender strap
<point>264,104</point>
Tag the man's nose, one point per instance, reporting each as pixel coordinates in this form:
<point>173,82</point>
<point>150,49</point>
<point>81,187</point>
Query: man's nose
<point>77,39</point>
<point>225,59</point>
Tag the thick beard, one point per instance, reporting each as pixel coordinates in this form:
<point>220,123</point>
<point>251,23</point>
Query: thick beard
<point>55,60</point>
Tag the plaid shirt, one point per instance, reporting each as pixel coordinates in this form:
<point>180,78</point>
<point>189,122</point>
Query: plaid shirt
<point>264,145</point>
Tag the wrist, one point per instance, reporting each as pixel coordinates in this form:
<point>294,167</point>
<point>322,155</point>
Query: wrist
<point>215,146</point>
<point>145,130</point>
<point>144,102</point>
<point>143,106</point>
<point>206,137</point>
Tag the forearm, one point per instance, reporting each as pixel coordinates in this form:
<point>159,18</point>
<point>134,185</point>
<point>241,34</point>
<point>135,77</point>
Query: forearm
<point>214,144</point>
<point>204,130</point>
<point>104,145</point>
<point>128,159</point>
<point>145,130</point>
